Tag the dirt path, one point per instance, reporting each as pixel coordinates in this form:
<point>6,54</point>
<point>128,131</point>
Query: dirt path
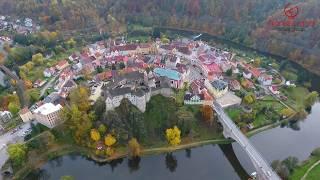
<point>313,166</point>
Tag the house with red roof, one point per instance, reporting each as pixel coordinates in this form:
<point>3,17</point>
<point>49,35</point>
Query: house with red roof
<point>62,64</point>
<point>103,76</point>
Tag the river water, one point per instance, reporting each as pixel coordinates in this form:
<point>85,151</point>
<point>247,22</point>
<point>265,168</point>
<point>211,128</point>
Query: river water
<point>207,162</point>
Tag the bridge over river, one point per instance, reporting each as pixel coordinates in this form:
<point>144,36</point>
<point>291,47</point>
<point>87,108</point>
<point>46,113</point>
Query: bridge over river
<point>230,130</point>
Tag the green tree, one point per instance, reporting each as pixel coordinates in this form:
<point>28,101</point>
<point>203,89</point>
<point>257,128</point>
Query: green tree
<point>17,154</point>
<point>13,108</point>
<point>34,95</point>
<point>229,72</point>
<point>311,99</point>
<point>38,59</point>
<point>102,129</point>
<point>99,108</point>
<point>71,43</point>
<point>291,163</point>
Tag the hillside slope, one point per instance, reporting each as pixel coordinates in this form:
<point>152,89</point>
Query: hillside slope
<point>244,21</point>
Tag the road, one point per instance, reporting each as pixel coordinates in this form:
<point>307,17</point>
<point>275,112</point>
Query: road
<point>264,169</point>
<point>47,85</point>
<point>10,138</point>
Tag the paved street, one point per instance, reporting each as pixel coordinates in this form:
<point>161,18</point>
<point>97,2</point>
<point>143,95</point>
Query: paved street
<point>9,138</point>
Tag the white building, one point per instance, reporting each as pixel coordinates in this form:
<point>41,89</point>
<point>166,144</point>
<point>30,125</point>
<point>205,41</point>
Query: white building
<point>5,117</point>
<point>48,114</point>
<point>138,98</point>
<point>265,79</point>
<point>247,74</point>
<point>26,115</point>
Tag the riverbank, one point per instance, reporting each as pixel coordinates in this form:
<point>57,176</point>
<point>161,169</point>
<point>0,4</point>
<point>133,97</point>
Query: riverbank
<point>61,150</point>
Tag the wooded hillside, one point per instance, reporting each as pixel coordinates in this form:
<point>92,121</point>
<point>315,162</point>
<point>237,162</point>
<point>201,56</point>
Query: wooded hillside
<point>244,21</point>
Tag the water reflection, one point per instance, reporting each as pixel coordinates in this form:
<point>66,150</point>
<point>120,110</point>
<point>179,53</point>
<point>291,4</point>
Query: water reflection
<point>171,162</point>
<point>134,164</point>
<point>188,153</point>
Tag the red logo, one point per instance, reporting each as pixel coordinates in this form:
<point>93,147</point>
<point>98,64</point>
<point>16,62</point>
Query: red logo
<point>291,11</point>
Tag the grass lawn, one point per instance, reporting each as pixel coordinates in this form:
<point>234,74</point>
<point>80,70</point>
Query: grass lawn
<point>295,96</point>
<point>314,174</point>
<point>301,170</point>
<point>233,113</point>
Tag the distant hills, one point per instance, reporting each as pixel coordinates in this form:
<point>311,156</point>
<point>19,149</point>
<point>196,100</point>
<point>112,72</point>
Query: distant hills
<point>242,21</point>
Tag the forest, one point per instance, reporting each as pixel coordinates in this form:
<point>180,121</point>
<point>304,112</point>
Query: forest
<point>244,22</point>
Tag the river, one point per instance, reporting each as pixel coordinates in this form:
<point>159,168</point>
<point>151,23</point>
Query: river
<point>207,162</point>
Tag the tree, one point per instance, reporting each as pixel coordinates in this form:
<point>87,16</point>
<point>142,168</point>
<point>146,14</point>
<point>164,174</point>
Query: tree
<point>229,72</point>
<point>281,169</point>
<point>122,65</point>
<point>80,98</point>
<point>17,154</point>
<point>287,112</point>
<point>134,148</point>
<point>2,57</point>
<point>78,122</point>
<point>34,95</point>
<point>311,99</point>
<point>109,151</point>
<point>71,43</point>
<point>29,65</point>
<point>248,99</point>
<point>257,62</point>
<point>173,136</point>
<point>291,163</point>
<point>99,108</point>
<point>95,135</point>
<point>38,59</point>
<point>207,114</point>
<point>109,140</point>
<point>13,108</point>
<point>102,129</point>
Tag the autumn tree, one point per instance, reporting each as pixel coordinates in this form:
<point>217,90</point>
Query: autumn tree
<point>207,114</point>
<point>80,98</point>
<point>95,135</point>
<point>38,59</point>
<point>287,112</point>
<point>257,62</point>
<point>248,99</point>
<point>2,57</point>
<point>134,148</point>
<point>78,122</point>
<point>109,140</point>
<point>17,154</point>
<point>173,136</point>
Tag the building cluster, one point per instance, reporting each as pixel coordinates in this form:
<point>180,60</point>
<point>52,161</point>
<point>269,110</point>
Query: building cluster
<point>138,71</point>
<point>21,26</point>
